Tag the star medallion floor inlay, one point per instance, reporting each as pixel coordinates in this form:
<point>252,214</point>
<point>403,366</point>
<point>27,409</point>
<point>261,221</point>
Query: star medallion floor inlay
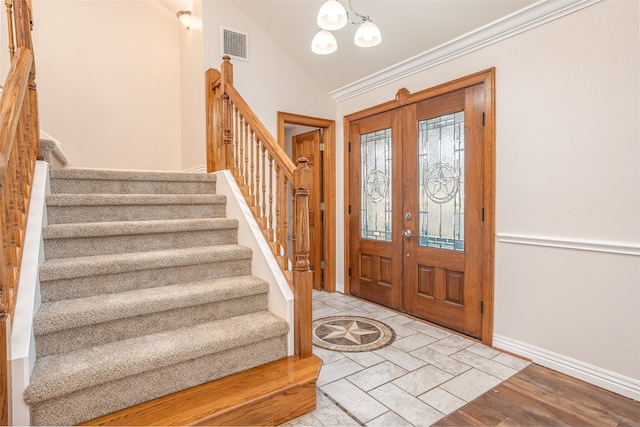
<point>351,333</point>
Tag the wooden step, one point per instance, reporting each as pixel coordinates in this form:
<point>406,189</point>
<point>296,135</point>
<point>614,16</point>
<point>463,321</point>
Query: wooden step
<point>270,394</point>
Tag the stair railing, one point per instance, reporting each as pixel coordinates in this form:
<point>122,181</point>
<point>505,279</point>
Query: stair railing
<point>276,190</point>
<point>19,147</point>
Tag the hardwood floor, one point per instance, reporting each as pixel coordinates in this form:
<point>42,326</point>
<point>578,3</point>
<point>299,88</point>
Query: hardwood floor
<point>538,396</point>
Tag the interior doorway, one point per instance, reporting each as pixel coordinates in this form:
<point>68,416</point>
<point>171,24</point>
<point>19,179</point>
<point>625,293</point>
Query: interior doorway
<point>420,203</point>
<point>314,138</point>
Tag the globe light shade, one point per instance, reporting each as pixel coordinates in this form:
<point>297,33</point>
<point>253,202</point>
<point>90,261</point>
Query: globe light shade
<point>367,35</point>
<point>332,16</point>
<point>185,18</point>
<point>324,43</point>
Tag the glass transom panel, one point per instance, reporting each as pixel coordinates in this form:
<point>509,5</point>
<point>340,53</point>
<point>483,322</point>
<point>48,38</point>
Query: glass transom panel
<point>441,182</point>
<point>375,187</point>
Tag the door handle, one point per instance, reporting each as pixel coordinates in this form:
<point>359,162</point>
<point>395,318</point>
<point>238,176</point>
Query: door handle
<point>407,233</point>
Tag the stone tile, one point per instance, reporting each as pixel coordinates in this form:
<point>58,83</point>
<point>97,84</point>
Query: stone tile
<point>335,370</point>
<point>425,328</point>
<point>470,384</point>
<point>390,419</point>
<point>400,319</point>
<point>511,361</point>
<point>304,420</point>
<point>364,358</point>
<point>441,361</point>
<point>334,416</point>
<point>400,358</point>
<point>413,342</point>
<point>381,314</point>
<point>483,350</point>
<point>376,375</point>
<point>400,330</point>
<point>326,311</point>
<point>451,344</point>
<point>485,365</point>
<point>407,406</point>
<point>361,304</point>
<point>443,401</point>
<point>322,399</point>
<point>354,400</point>
<point>327,356</point>
<point>422,380</point>
<point>340,305</point>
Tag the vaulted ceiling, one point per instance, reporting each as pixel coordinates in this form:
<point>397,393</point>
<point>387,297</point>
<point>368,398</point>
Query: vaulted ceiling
<point>408,27</point>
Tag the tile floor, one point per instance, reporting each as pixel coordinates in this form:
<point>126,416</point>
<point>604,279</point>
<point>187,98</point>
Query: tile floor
<point>425,374</point>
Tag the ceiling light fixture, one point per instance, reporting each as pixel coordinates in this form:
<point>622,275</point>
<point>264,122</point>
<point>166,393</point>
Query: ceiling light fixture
<point>333,16</point>
<point>185,18</point>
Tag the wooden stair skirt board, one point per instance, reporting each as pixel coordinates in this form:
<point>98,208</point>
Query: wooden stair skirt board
<point>270,394</point>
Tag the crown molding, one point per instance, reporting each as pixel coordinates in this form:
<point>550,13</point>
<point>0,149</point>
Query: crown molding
<point>530,17</point>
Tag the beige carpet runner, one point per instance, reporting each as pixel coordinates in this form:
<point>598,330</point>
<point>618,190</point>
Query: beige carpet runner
<point>145,292</point>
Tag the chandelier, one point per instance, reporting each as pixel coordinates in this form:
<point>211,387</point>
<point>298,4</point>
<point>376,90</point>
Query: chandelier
<point>333,16</point>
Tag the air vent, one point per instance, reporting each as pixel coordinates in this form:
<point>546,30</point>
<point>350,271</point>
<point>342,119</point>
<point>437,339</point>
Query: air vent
<point>234,43</point>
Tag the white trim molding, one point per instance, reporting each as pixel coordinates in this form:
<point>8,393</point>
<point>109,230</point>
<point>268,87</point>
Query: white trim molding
<point>518,22</point>
<point>620,248</point>
<point>197,169</point>
<point>625,386</point>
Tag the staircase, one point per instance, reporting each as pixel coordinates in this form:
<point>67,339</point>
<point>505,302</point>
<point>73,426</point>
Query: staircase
<point>145,292</point>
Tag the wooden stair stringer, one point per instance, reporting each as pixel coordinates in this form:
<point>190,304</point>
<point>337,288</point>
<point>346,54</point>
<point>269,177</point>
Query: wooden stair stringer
<point>270,394</point>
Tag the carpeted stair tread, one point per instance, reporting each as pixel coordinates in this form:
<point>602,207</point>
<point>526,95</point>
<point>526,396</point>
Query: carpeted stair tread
<point>134,199</point>
<point>75,313</point>
<point>116,228</point>
<point>129,175</point>
<point>62,374</point>
<point>66,268</point>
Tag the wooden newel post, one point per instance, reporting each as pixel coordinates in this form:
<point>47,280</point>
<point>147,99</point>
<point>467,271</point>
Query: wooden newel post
<point>226,77</point>
<point>302,275</point>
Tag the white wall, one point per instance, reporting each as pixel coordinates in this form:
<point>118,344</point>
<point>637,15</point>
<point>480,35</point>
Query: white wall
<point>109,81</point>
<point>568,173</point>
<point>193,133</point>
<point>271,81</point>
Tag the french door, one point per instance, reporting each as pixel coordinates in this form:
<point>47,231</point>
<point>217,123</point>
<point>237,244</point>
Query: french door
<point>416,203</point>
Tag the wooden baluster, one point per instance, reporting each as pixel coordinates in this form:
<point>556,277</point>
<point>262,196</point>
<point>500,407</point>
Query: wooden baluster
<point>243,143</point>
<point>252,172</point>
<point>278,209</point>
<point>247,178</point>
<point>272,181</point>
<point>238,129</point>
<point>302,275</point>
<point>227,131</point>
<point>12,46</point>
<point>285,220</point>
<point>259,178</point>
<point>264,183</point>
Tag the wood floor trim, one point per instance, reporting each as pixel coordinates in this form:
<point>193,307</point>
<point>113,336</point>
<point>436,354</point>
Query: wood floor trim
<point>271,394</point>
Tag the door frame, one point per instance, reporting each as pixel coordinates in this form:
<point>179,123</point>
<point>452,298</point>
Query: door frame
<point>404,97</point>
<point>329,160</point>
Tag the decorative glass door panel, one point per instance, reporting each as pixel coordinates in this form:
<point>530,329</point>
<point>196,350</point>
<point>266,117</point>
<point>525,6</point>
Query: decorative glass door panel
<point>375,200</point>
<point>441,182</point>
<point>375,183</point>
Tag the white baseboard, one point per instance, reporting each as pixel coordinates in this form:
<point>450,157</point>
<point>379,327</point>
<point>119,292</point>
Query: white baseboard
<point>197,169</point>
<point>340,287</point>
<point>625,386</point>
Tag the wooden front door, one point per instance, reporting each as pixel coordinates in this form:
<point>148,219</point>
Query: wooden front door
<point>308,145</point>
<point>416,198</point>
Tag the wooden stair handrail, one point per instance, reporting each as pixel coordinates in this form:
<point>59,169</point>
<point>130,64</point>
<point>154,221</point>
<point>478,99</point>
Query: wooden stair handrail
<point>19,148</point>
<point>280,156</point>
<point>238,141</point>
